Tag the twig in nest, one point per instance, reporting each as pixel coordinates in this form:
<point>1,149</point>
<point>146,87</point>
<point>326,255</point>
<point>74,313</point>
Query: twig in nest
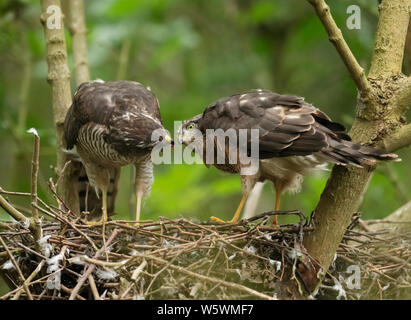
<point>29,279</point>
<point>209,279</point>
<point>16,265</point>
<point>91,267</point>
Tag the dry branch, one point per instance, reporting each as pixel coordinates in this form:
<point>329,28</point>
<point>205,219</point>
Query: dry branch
<point>37,232</point>
<point>17,215</point>
<point>345,188</point>
<point>16,265</point>
<point>337,39</point>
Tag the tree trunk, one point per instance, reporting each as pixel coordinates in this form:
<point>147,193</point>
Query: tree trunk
<point>379,113</point>
<point>59,79</point>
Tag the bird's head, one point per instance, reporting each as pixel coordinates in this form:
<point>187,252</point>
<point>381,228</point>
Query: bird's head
<point>161,136</point>
<point>189,131</point>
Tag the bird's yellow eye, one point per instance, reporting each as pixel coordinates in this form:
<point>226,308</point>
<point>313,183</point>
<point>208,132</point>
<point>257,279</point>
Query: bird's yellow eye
<point>190,126</point>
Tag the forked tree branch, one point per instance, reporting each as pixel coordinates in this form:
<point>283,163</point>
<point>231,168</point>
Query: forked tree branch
<point>337,39</point>
<point>345,188</point>
<point>398,140</point>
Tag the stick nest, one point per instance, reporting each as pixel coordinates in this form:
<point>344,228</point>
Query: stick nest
<point>183,259</point>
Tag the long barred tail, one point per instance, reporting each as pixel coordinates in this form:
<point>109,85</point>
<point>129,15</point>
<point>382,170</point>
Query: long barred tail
<point>345,152</point>
<point>90,202</point>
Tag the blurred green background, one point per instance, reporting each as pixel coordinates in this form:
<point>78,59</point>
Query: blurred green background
<point>190,52</point>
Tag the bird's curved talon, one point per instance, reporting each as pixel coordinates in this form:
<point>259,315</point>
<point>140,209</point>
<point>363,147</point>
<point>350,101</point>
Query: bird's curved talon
<point>215,219</point>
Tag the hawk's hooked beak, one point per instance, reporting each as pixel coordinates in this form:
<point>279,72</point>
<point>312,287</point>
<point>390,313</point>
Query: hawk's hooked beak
<point>169,140</point>
<point>180,139</point>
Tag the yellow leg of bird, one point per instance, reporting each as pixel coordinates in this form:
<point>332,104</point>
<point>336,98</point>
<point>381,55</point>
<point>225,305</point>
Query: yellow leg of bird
<point>236,214</point>
<point>104,216</point>
<point>277,206</point>
<point>139,196</point>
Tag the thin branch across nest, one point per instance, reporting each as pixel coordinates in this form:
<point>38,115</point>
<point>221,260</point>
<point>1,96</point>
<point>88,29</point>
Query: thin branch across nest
<point>182,259</point>
<point>172,259</point>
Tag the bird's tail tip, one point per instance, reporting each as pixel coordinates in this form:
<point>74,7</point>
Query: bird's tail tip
<point>389,157</point>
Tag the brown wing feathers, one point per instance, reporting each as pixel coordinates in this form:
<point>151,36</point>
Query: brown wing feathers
<point>128,110</point>
<point>288,126</point>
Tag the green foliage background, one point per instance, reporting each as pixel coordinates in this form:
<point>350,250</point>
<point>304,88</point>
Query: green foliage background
<point>190,52</point>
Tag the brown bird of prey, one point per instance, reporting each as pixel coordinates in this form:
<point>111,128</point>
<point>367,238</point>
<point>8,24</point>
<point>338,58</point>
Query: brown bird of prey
<point>109,125</point>
<point>294,139</point>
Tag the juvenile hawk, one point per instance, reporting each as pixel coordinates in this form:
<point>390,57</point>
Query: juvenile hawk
<point>294,139</point>
<point>110,125</point>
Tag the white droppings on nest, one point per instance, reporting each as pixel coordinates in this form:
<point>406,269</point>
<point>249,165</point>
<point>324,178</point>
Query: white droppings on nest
<point>267,236</point>
<point>53,262</point>
<point>294,253</point>
<point>138,297</point>
<point>55,259</point>
<point>106,274</point>
<point>165,243</point>
<point>78,260</point>
<point>45,247</point>
<point>275,263</point>
<point>195,288</point>
<point>339,288</point>
<point>385,287</point>
<point>334,259</point>
<point>8,265</point>
<point>33,131</point>
<point>54,281</point>
<point>26,223</point>
<point>44,240</point>
<point>251,249</point>
<point>232,256</point>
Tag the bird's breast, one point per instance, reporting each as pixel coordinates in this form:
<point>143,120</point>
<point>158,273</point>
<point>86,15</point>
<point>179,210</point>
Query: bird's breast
<point>92,146</point>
